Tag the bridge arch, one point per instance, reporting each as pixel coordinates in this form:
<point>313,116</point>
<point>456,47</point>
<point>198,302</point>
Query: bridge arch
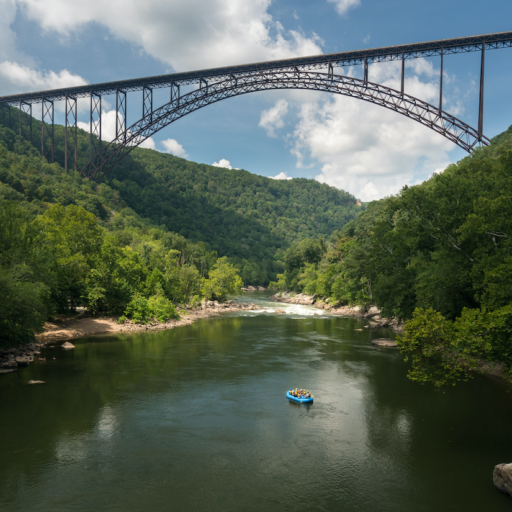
<point>438,120</point>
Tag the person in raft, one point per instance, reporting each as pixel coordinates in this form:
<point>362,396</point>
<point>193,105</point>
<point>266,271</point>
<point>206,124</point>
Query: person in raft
<point>300,393</point>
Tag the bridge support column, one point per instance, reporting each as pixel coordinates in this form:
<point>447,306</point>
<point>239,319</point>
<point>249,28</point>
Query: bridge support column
<point>441,85</point>
<point>71,133</point>
<point>175,92</point>
<point>121,114</point>
<point>47,129</point>
<point>26,108</point>
<point>95,132</point>
<point>481,102</point>
<point>402,88</point>
<point>147,102</point>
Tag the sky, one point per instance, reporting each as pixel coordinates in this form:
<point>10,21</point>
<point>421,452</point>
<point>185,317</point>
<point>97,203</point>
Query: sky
<point>362,148</point>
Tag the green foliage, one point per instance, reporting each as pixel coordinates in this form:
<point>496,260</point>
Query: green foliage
<point>438,256</point>
<point>251,219</point>
<point>280,284</point>
<point>444,351</point>
<point>223,281</point>
<point>138,309</point>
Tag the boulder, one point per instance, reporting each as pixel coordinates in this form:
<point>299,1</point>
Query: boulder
<point>36,382</point>
<point>502,478</point>
<point>385,342</point>
<point>24,360</point>
<point>67,345</point>
<point>280,311</point>
<point>8,370</point>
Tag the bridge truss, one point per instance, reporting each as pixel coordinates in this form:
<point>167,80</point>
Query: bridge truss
<point>220,83</point>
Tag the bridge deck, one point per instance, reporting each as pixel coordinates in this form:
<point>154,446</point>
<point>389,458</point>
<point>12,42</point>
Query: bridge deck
<point>388,53</point>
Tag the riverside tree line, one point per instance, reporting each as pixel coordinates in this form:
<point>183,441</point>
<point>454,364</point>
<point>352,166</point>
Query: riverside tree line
<point>438,256</point>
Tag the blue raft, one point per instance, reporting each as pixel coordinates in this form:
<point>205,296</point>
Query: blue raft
<point>299,400</point>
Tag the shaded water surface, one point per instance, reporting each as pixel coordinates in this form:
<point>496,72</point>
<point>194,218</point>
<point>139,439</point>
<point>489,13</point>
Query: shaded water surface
<point>196,418</point>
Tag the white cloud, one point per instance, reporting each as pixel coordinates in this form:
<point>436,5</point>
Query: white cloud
<point>187,35</point>
<point>366,40</point>
<point>281,176</point>
<point>272,119</point>
<point>342,6</point>
<point>174,147</point>
<point>223,163</point>
<point>17,71</point>
<point>366,149</point>
<point>23,78</point>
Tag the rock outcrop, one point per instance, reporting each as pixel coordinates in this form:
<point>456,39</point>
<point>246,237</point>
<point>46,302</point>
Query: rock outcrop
<point>294,298</point>
<point>502,478</point>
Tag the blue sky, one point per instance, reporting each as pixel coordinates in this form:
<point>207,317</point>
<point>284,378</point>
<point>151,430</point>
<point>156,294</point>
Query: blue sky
<point>355,146</point>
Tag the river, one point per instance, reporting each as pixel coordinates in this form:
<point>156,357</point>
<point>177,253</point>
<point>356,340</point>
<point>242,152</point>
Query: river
<point>196,419</point>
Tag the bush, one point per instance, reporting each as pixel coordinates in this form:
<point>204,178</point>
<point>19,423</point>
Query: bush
<point>161,308</point>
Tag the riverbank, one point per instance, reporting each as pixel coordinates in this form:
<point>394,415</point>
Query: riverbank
<point>63,329</point>
<point>372,313</point>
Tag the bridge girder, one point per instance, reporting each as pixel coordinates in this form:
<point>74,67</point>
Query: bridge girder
<point>429,115</point>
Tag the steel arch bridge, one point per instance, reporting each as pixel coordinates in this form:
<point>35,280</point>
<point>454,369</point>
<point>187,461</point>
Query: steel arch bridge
<point>217,84</point>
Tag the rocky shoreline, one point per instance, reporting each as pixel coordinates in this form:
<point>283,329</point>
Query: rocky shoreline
<point>373,314</point>
<point>63,329</point>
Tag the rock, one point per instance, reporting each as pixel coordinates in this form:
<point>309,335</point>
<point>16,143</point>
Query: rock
<point>502,478</point>
<point>67,345</point>
<point>8,370</point>
<point>280,311</point>
<point>24,360</point>
<point>385,342</point>
<point>36,382</point>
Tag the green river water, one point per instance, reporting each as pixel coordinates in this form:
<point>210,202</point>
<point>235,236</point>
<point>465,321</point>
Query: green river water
<point>196,418</point>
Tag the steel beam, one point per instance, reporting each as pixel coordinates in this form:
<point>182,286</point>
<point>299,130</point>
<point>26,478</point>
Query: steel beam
<point>121,114</point>
<point>441,84</point>
<point>147,102</point>
<point>26,108</point>
<point>175,92</point>
<point>365,69</point>
<point>95,132</point>
<point>70,133</point>
<point>402,88</point>
<point>47,129</point>
<point>481,101</point>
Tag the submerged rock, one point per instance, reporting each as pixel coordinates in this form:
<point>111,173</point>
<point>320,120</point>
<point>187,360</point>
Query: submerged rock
<point>36,382</point>
<point>67,345</point>
<point>502,478</point>
<point>280,311</point>
<point>385,342</point>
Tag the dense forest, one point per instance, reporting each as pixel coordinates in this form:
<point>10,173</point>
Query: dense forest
<point>159,232</point>
<point>250,219</point>
<point>438,255</point>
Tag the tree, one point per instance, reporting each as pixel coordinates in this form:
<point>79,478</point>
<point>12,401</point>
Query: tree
<point>223,280</point>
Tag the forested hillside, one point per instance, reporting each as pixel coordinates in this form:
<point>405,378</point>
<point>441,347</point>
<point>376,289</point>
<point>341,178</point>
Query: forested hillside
<point>438,255</point>
<point>249,218</point>
<point>158,233</point>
